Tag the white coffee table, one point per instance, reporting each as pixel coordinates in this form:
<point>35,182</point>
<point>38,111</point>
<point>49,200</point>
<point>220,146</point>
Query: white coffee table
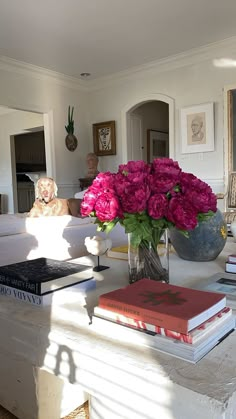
<point>124,382</point>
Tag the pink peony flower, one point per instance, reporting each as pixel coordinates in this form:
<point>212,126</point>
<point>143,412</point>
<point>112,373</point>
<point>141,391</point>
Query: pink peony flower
<point>88,203</point>
<point>166,166</point>
<point>182,214</point>
<point>103,182</point>
<point>202,201</point>
<point>134,166</point>
<point>107,207</point>
<point>134,198</point>
<point>140,194</point>
<point>161,183</point>
<point>157,206</point>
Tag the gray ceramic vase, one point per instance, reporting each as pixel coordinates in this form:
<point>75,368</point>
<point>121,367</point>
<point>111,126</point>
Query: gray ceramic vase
<point>205,242</point>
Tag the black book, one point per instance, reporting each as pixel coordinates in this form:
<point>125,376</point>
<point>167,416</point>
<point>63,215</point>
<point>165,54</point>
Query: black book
<point>42,276</point>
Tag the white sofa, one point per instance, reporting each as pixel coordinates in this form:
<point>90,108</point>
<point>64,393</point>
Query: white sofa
<point>59,237</point>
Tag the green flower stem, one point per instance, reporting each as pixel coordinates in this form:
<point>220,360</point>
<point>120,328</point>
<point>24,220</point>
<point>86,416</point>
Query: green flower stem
<point>144,259</point>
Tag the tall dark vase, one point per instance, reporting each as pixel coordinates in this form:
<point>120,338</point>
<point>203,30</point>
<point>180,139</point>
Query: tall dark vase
<point>204,243</point>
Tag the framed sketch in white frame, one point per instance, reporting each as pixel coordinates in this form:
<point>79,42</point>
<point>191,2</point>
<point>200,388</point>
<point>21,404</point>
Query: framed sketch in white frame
<point>197,128</point>
<point>157,144</point>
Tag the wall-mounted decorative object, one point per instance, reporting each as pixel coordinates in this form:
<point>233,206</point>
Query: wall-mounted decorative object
<point>71,140</point>
<point>157,144</point>
<point>197,128</point>
<point>104,138</point>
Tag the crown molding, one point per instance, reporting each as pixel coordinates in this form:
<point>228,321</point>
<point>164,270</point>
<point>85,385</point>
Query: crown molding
<point>196,55</point>
<point>187,58</point>
<point>20,67</point>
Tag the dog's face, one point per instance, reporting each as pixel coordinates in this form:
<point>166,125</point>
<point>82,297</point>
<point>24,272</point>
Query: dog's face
<point>46,189</point>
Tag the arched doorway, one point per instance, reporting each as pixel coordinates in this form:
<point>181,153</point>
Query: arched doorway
<point>128,124</point>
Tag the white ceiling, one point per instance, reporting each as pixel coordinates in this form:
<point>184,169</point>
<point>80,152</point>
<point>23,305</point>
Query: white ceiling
<point>104,37</point>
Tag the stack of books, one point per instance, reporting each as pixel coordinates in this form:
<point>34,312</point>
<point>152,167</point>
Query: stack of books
<point>179,321</point>
<point>35,281</point>
<point>230,264</point>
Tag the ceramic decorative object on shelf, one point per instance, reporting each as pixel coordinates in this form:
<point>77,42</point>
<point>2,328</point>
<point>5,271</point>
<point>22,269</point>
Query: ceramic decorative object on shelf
<point>71,140</point>
<point>204,243</point>
<point>97,246</point>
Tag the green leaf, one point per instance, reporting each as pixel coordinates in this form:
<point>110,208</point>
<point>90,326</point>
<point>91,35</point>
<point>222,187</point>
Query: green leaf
<point>203,216</point>
<point>72,111</point>
<point>183,232</point>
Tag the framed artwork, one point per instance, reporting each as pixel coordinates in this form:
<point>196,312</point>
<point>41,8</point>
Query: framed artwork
<point>104,138</point>
<point>157,144</point>
<point>197,128</point>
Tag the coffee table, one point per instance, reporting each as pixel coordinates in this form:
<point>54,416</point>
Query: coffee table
<point>41,349</point>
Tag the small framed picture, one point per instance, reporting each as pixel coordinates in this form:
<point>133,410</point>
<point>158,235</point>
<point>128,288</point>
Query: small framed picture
<point>104,138</point>
<point>197,128</point>
<point>157,144</point>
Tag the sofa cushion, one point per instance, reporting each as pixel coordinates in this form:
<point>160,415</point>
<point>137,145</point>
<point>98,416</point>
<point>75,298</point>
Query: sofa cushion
<point>11,224</point>
<point>80,194</point>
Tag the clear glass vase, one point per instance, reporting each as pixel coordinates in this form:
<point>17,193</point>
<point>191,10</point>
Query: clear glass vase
<point>148,260</point>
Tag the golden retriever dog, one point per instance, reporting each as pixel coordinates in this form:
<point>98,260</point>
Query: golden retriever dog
<point>46,203</point>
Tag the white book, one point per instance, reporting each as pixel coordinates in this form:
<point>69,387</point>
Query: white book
<point>188,352</point>
<point>230,267</point>
<point>73,292</point>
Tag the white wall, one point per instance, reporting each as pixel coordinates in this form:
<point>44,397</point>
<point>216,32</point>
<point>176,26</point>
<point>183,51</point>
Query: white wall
<point>45,93</point>
<point>189,81</point>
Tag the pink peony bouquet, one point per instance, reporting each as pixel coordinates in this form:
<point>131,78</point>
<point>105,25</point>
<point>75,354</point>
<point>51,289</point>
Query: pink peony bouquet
<point>143,197</point>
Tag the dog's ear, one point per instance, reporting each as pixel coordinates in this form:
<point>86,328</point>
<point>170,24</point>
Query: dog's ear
<point>55,188</point>
<point>37,190</point>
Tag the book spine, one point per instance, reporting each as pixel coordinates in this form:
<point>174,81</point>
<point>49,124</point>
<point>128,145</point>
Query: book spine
<point>230,267</point>
<point>158,319</point>
<point>140,338</point>
<point>21,295</point>
<point>20,284</point>
<point>190,338</point>
<point>141,325</point>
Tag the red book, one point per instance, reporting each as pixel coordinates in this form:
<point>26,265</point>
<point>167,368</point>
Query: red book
<point>170,306</point>
<point>192,337</point>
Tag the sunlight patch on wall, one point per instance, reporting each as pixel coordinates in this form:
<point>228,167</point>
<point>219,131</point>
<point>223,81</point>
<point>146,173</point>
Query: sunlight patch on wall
<point>224,62</point>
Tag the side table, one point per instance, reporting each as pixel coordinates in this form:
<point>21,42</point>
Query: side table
<point>85,182</point>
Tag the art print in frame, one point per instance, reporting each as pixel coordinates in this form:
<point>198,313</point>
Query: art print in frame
<point>157,144</point>
<point>104,138</point>
<point>197,128</point>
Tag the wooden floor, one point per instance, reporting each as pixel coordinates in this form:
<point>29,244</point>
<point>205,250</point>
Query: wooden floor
<point>81,412</point>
